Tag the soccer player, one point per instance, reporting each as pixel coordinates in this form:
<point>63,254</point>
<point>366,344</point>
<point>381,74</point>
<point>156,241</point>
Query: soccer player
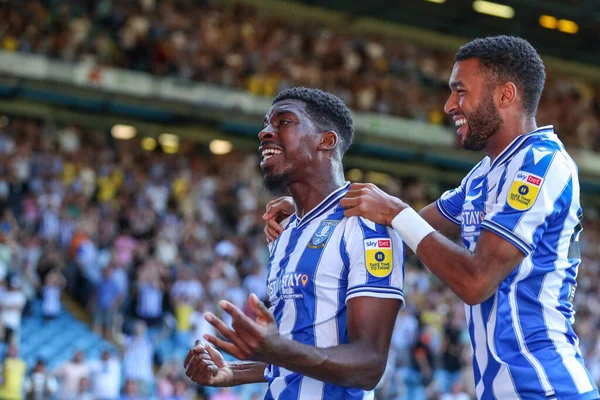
<point>519,214</point>
<point>334,283</point>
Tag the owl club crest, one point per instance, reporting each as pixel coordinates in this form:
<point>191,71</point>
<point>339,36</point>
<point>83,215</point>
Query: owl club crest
<point>323,232</point>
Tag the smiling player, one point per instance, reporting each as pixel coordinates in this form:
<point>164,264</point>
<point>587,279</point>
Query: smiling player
<point>334,283</point>
<point>519,214</point>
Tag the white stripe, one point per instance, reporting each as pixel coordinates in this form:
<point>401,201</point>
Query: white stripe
<point>369,395</point>
<point>310,389</point>
<point>279,383</point>
<point>554,319</point>
<point>503,386</point>
<point>525,270</point>
<point>481,347</point>
<point>327,284</point>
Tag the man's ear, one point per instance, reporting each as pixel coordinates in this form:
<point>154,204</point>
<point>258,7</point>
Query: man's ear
<point>508,94</point>
<point>329,140</point>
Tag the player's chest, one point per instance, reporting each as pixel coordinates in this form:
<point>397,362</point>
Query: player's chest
<point>307,263</point>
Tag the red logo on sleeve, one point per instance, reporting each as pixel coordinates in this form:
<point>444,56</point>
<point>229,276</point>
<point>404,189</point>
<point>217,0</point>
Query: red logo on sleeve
<point>534,181</point>
<point>384,243</point>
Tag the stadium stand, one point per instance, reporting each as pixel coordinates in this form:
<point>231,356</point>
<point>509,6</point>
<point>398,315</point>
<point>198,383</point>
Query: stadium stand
<point>233,46</point>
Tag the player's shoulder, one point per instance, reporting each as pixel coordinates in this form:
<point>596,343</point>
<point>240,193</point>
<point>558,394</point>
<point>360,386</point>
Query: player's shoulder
<point>540,154</point>
<point>368,229</point>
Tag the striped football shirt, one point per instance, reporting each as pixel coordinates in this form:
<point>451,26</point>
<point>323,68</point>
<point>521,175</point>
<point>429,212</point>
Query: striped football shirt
<point>522,337</point>
<point>316,265</point>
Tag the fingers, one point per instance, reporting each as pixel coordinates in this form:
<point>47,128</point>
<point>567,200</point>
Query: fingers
<point>230,335</point>
<point>200,368</point>
<point>350,202</point>
<point>261,311</point>
<point>274,226</point>
<point>197,349</point>
<point>279,208</point>
<point>226,346</point>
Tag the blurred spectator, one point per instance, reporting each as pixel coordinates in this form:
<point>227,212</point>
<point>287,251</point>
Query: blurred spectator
<point>235,47</point>
<point>40,384</point>
<point>83,391</point>
<point>130,391</point>
<point>53,286</point>
<point>106,302</point>
<point>138,357</point>
<point>12,302</point>
<point>70,375</point>
<point>106,377</point>
<point>13,375</point>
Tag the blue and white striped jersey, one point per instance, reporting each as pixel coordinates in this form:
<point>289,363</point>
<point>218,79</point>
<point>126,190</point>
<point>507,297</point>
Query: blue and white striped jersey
<point>317,264</point>
<point>523,342</point>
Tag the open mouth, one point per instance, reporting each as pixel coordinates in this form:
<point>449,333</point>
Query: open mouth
<point>461,125</point>
<point>268,154</point>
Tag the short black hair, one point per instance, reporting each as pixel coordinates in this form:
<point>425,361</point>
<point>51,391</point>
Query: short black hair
<point>510,58</point>
<point>327,111</point>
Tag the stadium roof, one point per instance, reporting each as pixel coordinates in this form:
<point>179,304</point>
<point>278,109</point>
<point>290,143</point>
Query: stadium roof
<point>458,17</point>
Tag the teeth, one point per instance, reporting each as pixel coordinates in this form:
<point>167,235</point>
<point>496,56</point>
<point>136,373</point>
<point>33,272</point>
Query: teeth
<point>268,153</point>
<point>460,122</point>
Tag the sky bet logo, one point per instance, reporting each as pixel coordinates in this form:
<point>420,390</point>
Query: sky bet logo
<point>381,243</point>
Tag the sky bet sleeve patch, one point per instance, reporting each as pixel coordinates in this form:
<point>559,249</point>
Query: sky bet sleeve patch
<point>378,256</point>
<point>524,190</point>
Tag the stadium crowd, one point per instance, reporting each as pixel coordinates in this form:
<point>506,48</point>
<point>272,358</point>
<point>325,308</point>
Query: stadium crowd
<point>148,241</point>
<point>233,46</point>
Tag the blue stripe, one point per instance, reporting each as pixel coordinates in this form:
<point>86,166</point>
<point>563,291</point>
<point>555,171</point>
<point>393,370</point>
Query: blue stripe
<point>376,289</point>
<point>306,308</point>
<point>289,249</point>
<point>508,349</point>
<point>493,366</point>
<point>476,373</point>
<point>341,317</point>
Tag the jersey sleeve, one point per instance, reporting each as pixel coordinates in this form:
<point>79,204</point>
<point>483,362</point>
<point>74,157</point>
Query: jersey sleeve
<point>450,203</point>
<point>539,186</point>
<point>375,257</point>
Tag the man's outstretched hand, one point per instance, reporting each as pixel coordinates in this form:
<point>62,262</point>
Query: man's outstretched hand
<point>277,210</point>
<point>206,366</point>
<point>247,339</point>
<point>370,202</point>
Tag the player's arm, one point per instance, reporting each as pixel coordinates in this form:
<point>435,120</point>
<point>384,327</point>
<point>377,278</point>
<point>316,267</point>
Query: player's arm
<point>432,215</point>
<point>358,364</point>
<point>473,276</point>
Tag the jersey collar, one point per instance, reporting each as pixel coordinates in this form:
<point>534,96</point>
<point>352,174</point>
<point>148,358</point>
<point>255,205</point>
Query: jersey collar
<point>333,198</point>
<point>517,142</point>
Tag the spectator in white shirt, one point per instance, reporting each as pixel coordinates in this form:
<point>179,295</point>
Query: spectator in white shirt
<point>12,302</point>
<point>106,377</point>
<point>70,375</point>
<point>41,384</point>
<point>187,286</point>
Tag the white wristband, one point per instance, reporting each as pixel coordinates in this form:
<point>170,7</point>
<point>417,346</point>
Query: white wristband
<point>411,227</point>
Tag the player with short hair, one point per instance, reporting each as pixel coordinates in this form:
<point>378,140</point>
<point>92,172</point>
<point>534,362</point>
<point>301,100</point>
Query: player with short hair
<point>334,283</point>
<point>519,214</point>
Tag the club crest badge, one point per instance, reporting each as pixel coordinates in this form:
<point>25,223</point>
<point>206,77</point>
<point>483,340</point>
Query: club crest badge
<point>323,232</point>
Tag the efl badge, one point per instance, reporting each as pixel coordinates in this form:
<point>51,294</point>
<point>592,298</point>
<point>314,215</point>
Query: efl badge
<point>378,255</point>
<point>524,190</point>
<point>324,230</point>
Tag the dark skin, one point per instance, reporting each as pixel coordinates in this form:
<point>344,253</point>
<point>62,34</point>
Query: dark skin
<point>473,276</point>
<point>311,164</point>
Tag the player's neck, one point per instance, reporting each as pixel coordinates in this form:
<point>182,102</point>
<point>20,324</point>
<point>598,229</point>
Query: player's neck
<point>507,133</point>
<point>307,195</point>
